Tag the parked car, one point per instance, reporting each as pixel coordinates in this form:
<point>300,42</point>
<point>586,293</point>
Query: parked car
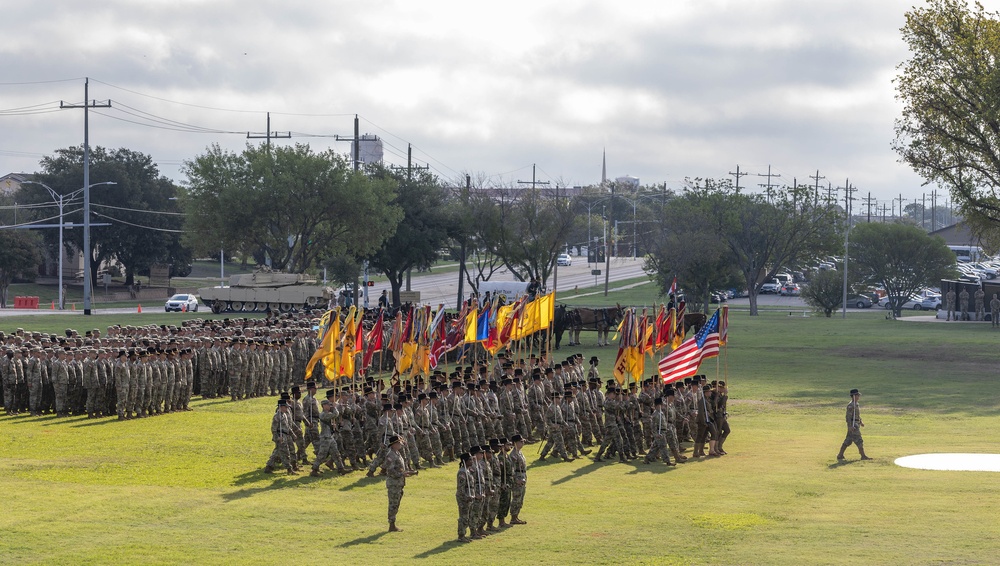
<point>180,303</point>
<point>917,303</point>
<point>771,288</point>
<point>860,302</point>
<point>564,260</point>
<point>790,290</point>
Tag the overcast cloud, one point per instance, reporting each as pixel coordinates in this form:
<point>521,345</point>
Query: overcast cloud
<point>671,88</point>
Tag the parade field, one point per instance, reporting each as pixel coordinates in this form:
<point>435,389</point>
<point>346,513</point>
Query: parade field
<point>189,487</point>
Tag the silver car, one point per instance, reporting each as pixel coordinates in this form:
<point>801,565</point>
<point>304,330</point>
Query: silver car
<point>181,303</point>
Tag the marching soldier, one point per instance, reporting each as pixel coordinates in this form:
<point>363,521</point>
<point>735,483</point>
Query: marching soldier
<point>854,424</point>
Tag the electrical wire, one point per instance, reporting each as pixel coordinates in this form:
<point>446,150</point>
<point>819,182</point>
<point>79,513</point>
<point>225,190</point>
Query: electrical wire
<point>164,212</point>
<point>120,221</point>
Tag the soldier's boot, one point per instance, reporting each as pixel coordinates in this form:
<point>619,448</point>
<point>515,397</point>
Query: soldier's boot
<point>502,524</point>
<point>841,455</point>
<point>586,452</point>
<point>712,451</point>
<point>315,473</point>
<point>491,528</point>
<point>666,459</point>
<point>678,456</point>
<point>864,456</point>
<point>293,471</point>
<point>268,469</point>
<point>393,528</point>
<point>515,520</point>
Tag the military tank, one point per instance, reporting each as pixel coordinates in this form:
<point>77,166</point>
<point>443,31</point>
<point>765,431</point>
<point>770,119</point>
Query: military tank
<point>265,290</point>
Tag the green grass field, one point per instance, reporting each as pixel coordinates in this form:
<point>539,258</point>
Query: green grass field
<point>189,488</point>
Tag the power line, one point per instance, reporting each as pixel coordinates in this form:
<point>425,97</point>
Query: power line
<point>120,221</point>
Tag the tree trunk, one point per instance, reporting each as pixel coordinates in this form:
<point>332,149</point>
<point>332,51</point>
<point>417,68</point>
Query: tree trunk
<point>753,303</point>
<point>396,284</point>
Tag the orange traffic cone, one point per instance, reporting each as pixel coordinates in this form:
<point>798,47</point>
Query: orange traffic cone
<point>53,305</point>
<point>139,310</point>
<point>184,307</point>
<point>74,306</point>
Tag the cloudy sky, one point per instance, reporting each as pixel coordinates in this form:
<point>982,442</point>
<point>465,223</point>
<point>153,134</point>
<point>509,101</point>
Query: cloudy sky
<point>670,88</point>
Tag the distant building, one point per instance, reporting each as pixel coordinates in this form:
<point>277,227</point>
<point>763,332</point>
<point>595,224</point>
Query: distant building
<point>627,182</point>
<point>369,149</point>
<point>11,182</point>
<point>958,234</point>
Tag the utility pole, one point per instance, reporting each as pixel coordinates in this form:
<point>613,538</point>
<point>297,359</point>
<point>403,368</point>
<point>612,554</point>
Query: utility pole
<point>409,164</point>
<point>534,183</point>
<point>87,254</point>
<point>768,186</point>
<point>901,201</point>
<point>869,201</point>
<point>737,174</point>
<point>848,190</point>
<point>461,263</point>
<point>268,134</point>
<point>923,211</point>
<point>829,193</point>
<point>933,210</point>
<point>817,178</point>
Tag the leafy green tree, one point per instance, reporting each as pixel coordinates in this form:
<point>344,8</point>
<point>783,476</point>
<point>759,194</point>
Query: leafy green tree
<point>478,221</point>
<point>949,131</point>
<point>534,230</point>
<point>684,244</point>
<point>825,291</point>
<point>765,234</point>
<point>425,228</point>
<point>144,223</point>
<point>289,203</point>
<point>900,258</point>
<point>19,257</point>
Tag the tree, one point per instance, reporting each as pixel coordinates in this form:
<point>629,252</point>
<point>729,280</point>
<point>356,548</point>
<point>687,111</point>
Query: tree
<point>19,257</point>
<point>424,229</point>
<point>480,229</point>
<point>144,224</point>
<point>900,258</point>
<point>825,291</point>
<point>289,204</point>
<point>534,230</point>
<point>684,244</point>
<point>765,234</point>
<point>949,131</point>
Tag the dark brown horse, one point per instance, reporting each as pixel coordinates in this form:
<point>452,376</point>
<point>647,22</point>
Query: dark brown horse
<point>694,320</point>
<point>600,319</point>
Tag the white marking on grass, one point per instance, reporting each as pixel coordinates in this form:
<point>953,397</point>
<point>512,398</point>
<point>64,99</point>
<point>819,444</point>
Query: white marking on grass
<point>952,462</point>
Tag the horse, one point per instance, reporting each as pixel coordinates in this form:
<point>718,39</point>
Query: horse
<point>560,323</point>
<point>694,320</point>
<point>600,319</point>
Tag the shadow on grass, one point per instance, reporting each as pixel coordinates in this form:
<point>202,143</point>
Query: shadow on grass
<point>362,482</point>
<point>217,401</point>
<point>443,547</point>
<point>279,482</point>
<point>96,422</point>
<point>579,472</point>
<point>364,540</point>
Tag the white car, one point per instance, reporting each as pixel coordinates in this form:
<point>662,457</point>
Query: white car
<point>917,303</point>
<point>180,303</point>
<point>564,260</point>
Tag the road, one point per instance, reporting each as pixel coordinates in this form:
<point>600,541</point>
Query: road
<point>443,288</point>
<point>434,288</point>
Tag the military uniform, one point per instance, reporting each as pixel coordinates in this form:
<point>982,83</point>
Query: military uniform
<point>854,424</point>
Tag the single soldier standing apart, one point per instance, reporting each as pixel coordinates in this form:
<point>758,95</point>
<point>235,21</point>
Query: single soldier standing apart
<point>995,311</point>
<point>395,479</point>
<point>963,303</point>
<point>949,299</point>
<point>980,297</point>
<point>854,424</point>
<point>520,470</point>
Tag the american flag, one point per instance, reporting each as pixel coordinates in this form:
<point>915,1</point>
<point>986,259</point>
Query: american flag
<point>684,361</point>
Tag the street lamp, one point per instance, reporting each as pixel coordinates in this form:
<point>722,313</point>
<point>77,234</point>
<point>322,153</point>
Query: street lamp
<point>60,201</point>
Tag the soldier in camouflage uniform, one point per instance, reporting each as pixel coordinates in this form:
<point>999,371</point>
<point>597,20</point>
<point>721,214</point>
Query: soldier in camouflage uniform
<point>519,481</point>
<point>281,435</point>
<point>854,424</point>
<point>396,474</point>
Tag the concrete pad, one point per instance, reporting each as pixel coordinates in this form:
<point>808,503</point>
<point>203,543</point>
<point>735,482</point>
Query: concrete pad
<point>952,462</point>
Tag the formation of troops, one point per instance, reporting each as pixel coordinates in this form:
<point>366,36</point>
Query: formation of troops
<point>481,414</point>
<point>141,371</point>
<point>478,415</point>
